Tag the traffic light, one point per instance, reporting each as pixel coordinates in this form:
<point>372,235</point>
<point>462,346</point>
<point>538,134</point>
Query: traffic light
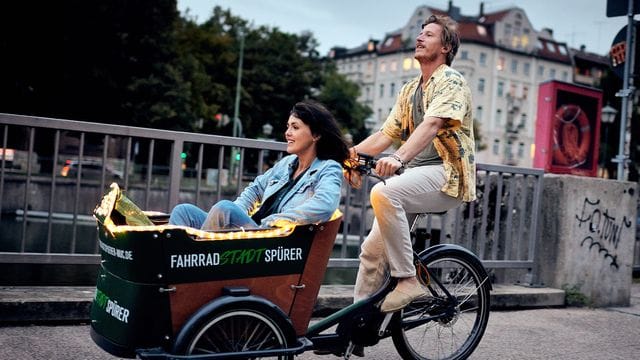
<point>183,162</point>
<point>237,156</point>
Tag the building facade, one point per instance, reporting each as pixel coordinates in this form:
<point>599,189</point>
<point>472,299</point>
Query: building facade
<point>502,57</point>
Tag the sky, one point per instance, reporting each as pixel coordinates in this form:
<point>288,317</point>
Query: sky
<point>350,23</point>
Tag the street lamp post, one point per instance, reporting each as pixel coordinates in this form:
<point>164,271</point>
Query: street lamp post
<point>608,117</point>
<point>237,125</point>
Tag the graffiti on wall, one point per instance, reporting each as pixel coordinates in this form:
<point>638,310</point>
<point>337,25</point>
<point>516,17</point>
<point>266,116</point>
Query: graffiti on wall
<point>604,230</point>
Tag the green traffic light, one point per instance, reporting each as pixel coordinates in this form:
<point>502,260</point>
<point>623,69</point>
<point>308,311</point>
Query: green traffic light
<point>183,155</point>
<point>238,157</point>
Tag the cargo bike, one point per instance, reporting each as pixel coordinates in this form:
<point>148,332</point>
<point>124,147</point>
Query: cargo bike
<point>173,292</point>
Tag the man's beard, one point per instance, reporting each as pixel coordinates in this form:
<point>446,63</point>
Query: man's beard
<point>429,57</point>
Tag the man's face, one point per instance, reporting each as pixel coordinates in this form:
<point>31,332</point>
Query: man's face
<point>429,44</point>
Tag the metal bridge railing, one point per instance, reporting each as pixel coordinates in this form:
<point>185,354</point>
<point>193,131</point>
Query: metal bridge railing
<point>47,203</point>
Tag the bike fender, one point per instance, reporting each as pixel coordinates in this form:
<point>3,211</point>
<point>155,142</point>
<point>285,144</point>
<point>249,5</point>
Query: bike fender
<point>229,302</point>
<point>453,248</point>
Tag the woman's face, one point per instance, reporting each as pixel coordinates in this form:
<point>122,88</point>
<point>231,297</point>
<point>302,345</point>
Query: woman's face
<point>299,138</point>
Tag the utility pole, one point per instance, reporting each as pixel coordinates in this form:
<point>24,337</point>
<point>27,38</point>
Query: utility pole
<point>626,93</point>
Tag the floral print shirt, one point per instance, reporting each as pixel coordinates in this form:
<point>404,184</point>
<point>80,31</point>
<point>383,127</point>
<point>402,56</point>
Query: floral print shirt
<point>447,96</point>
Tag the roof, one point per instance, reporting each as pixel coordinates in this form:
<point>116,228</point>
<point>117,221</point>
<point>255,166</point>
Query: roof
<point>590,57</point>
<point>475,32</point>
<point>552,50</point>
<point>392,43</point>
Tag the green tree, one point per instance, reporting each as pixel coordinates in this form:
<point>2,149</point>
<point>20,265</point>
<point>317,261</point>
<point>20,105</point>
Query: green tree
<point>340,95</point>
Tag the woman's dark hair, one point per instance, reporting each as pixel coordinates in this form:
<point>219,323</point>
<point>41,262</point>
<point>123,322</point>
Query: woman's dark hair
<point>331,144</point>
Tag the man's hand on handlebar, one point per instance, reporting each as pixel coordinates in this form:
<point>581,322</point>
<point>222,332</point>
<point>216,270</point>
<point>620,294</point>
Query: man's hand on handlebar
<point>387,166</point>
<point>366,165</point>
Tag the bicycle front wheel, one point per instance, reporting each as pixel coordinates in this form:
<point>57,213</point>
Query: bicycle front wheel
<point>450,322</point>
<point>236,331</point>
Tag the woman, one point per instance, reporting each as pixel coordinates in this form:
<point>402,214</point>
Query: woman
<point>302,188</point>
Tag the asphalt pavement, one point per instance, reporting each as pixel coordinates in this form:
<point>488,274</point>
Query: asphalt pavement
<point>512,333</point>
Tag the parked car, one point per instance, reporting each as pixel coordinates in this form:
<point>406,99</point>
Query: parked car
<point>91,169</point>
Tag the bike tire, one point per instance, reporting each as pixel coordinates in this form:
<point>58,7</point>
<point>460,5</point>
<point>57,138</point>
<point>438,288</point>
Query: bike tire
<point>235,330</point>
<point>436,327</point>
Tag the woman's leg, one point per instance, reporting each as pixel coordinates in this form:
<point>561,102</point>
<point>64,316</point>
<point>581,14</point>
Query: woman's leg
<point>187,215</point>
<point>227,215</point>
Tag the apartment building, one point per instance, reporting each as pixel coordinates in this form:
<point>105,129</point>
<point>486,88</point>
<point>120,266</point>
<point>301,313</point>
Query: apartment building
<point>502,57</point>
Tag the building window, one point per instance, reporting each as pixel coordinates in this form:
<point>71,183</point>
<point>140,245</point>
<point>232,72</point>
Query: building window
<point>565,76</point>
<point>483,59</point>
<point>527,68</point>
<point>507,30</point>
<point>379,115</point>
<point>512,90</point>
<point>496,147</point>
<point>523,121</point>
<point>540,70</point>
<point>508,153</point>
<point>498,116</point>
<point>479,113</point>
<point>368,92</point>
<point>514,66</point>
<point>392,90</point>
<point>481,85</point>
<point>464,55</point>
<point>525,92</point>
<point>381,90</point>
<point>500,63</point>
<point>500,88</point>
<point>393,67</point>
<point>521,150</point>
<point>552,73</point>
<point>383,67</point>
<point>406,64</point>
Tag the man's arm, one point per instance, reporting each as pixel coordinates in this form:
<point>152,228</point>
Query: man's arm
<point>422,135</point>
<point>372,145</point>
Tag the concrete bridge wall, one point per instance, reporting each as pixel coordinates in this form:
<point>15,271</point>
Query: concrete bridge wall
<point>587,237</point>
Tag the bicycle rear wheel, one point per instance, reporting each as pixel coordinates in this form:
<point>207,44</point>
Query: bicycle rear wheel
<point>443,327</point>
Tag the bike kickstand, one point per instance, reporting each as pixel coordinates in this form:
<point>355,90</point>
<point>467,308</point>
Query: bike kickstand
<point>349,350</point>
<point>385,323</point>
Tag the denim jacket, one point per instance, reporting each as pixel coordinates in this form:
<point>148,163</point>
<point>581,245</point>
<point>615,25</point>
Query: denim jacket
<point>313,199</point>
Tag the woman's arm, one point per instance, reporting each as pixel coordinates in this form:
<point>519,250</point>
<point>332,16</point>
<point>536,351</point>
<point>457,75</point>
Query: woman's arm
<point>251,197</point>
<point>317,208</point>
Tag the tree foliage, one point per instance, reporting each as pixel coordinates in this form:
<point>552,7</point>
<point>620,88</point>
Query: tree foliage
<point>140,63</point>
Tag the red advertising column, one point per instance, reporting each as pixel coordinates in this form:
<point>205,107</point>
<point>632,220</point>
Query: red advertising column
<point>567,128</point>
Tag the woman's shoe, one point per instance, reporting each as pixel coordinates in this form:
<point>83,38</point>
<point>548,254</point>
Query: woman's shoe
<point>398,299</point>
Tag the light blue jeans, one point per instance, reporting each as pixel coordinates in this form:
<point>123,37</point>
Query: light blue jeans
<point>223,215</point>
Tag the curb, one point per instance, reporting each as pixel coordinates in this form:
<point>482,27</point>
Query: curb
<point>24,304</point>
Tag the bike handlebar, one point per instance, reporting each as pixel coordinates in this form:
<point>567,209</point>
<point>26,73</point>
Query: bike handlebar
<point>365,165</point>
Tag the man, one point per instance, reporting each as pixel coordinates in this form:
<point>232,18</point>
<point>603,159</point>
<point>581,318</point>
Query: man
<point>432,120</point>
